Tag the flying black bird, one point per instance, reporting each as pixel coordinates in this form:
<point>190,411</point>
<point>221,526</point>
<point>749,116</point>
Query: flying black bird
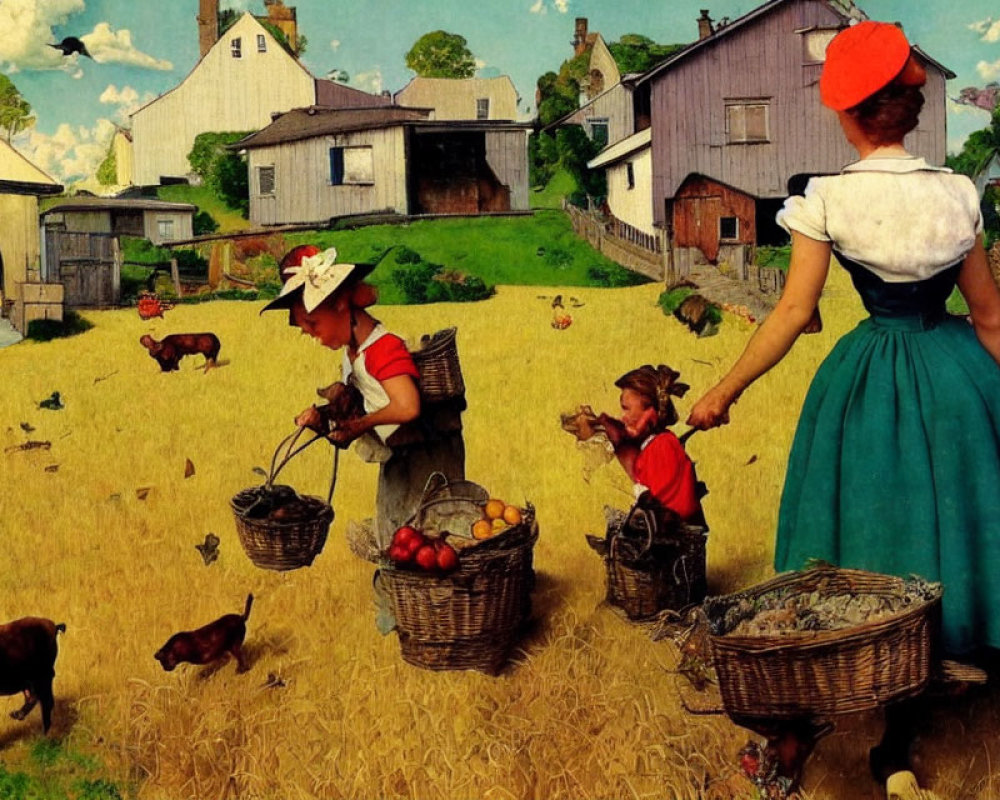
<point>71,45</point>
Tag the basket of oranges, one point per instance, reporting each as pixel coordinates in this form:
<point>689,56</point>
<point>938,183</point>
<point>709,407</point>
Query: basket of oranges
<point>459,576</point>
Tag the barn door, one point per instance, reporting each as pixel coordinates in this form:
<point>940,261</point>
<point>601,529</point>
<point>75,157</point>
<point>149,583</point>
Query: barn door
<point>696,221</point>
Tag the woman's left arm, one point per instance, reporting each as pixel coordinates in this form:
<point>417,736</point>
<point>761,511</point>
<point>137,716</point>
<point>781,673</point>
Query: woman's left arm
<point>403,406</point>
<point>980,291</point>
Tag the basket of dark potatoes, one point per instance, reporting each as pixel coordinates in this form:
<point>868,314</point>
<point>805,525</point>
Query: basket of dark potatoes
<point>279,528</point>
<point>459,577</point>
<point>653,560</point>
<point>823,641</point>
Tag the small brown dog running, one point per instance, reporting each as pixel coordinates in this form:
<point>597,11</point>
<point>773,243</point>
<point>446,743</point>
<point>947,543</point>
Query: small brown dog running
<point>208,643</point>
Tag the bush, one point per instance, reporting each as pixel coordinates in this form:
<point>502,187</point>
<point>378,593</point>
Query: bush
<point>204,223</point>
<point>44,330</point>
<point>614,276</point>
<point>774,257</point>
<point>423,282</point>
<point>134,279</point>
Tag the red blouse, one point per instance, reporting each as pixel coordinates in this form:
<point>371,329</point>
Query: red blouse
<point>388,357</point>
<point>666,470</point>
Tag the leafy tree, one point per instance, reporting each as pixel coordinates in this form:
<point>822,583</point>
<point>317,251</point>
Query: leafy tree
<point>107,172</point>
<point>979,149</point>
<point>222,170</point>
<point>203,223</point>
<point>440,54</point>
<point>637,53</point>
<point>15,111</point>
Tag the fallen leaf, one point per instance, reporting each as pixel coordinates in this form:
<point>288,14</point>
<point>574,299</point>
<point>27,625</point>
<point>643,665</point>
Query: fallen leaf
<point>52,468</point>
<point>143,492</point>
<point>751,460</point>
<point>210,549</point>
<point>29,445</point>
<point>188,468</point>
<point>26,427</point>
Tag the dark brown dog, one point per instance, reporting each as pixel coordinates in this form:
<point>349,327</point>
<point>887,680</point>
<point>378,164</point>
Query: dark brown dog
<point>172,348</point>
<point>208,643</point>
<point>28,652</point>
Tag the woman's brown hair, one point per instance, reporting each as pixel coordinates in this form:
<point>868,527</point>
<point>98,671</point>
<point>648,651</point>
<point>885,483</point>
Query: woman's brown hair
<point>889,114</point>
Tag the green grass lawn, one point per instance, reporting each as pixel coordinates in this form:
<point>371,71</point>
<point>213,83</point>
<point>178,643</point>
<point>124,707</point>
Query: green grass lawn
<point>551,195</point>
<point>538,250</point>
<point>229,220</point>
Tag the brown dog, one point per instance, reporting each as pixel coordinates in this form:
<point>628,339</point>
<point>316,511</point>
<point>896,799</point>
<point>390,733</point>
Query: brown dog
<point>27,663</point>
<point>209,643</point>
<point>172,348</point>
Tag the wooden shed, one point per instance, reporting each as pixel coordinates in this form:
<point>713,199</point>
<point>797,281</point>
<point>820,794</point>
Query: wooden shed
<point>156,220</point>
<point>314,164</point>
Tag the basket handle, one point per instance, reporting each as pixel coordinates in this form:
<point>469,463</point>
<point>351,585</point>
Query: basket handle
<point>290,451</point>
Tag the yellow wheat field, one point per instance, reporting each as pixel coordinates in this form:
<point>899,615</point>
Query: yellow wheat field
<point>589,706</point>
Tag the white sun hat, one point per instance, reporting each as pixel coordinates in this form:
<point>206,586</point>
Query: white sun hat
<point>315,279</point>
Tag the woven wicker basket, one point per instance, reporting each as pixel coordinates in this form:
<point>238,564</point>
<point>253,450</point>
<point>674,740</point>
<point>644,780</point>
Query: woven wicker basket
<point>281,545</point>
<point>469,618</point>
<point>664,573</point>
<point>440,371</point>
<point>825,672</point>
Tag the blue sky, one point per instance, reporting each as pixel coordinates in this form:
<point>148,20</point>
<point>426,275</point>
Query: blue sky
<point>145,47</point>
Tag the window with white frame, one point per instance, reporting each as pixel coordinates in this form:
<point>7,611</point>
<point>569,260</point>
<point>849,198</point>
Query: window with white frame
<point>729,228</point>
<point>236,47</point>
<point>814,44</point>
<point>351,165</point>
<point>747,121</point>
<point>482,108</point>
<point>261,43</point>
<point>165,229</point>
<point>265,180</point>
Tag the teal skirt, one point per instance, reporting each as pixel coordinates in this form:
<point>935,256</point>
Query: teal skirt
<point>895,467</point>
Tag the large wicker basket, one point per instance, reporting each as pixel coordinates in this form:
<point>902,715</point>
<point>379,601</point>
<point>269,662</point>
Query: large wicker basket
<point>470,618</point>
<point>440,372</point>
<point>828,671</point>
<point>652,566</point>
<point>278,545</point>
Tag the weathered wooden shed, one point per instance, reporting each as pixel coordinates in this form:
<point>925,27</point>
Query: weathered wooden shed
<point>314,164</point>
<point>21,184</point>
<point>80,245</point>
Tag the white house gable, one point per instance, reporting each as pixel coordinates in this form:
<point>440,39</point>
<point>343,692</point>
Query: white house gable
<point>240,82</point>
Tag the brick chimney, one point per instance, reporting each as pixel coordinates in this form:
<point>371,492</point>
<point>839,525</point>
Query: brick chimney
<point>580,36</point>
<point>283,18</point>
<point>208,25</point>
<point>704,25</point>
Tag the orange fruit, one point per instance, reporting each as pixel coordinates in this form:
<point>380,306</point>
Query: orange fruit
<point>512,515</point>
<point>494,508</point>
<point>482,529</point>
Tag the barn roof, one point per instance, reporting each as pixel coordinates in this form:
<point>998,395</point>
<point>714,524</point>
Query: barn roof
<point>845,8</point>
<point>114,203</point>
<point>305,123</point>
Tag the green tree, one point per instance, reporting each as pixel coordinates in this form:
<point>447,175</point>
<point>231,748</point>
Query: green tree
<point>107,172</point>
<point>440,54</point>
<point>634,52</point>
<point>979,149</point>
<point>15,111</point>
<point>220,169</point>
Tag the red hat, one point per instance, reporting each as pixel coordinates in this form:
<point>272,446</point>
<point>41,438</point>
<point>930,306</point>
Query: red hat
<point>864,58</point>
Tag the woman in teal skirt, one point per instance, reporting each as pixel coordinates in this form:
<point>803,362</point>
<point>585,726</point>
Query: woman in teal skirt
<point>895,465</point>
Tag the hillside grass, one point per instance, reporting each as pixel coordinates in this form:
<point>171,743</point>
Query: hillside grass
<point>561,185</point>
<point>590,706</point>
<point>229,219</point>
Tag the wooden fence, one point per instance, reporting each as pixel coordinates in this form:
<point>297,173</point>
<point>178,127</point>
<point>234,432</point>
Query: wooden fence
<point>621,242</point>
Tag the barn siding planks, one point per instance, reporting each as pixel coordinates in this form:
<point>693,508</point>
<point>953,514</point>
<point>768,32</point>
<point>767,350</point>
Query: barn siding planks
<point>222,93</point>
<point>302,189</point>
<point>507,155</point>
<point>762,59</point>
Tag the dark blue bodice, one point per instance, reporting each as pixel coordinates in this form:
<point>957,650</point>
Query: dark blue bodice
<point>924,298</point>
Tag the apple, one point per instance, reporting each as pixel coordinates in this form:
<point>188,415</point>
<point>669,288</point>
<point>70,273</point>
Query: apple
<point>398,553</point>
<point>404,534</point>
<point>447,558</point>
<point>426,557</point>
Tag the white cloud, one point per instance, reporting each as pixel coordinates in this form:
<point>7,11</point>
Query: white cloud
<point>989,70</point>
<point>988,29</point>
<point>27,27</point>
<point>370,81</point>
<point>106,45</point>
<point>562,6</point>
<point>963,108</point>
<point>335,44</point>
<point>127,100</point>
<point>69,154</point>
<point>538,7</point>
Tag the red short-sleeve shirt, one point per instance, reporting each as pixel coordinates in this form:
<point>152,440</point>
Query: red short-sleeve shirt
<point>666,470</point>
<point>388,357</point>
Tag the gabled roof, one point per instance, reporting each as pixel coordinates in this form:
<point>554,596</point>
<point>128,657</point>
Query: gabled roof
<point>21,176</point>
<point>221,43</point>
<point>113,203</point>
<point>843,8</point>
<point>304,123</point>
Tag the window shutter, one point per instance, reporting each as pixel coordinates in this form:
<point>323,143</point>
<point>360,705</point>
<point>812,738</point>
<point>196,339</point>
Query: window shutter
<point>336,165</point>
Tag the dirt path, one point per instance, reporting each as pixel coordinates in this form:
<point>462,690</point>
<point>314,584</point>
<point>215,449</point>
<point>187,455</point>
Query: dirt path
<point>718,288</point>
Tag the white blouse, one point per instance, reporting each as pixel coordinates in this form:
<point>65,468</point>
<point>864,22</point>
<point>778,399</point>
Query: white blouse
<point>898,216</point>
